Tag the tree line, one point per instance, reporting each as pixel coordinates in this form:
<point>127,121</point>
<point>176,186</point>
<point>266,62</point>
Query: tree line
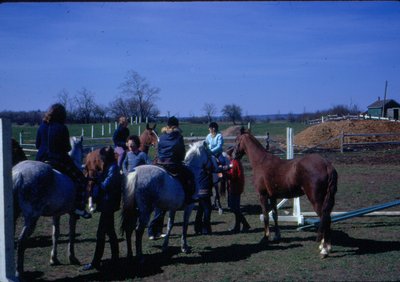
<point>137,98</point>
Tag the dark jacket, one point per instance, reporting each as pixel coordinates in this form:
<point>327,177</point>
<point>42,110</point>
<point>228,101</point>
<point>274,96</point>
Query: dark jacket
<point>120,136</point>
<point>52,142</point>
<point>171,147</point>
<point>108,192</point>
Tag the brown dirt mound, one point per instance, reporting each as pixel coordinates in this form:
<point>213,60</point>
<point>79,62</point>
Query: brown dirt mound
<point>326,135</point>
<point>231,131</point>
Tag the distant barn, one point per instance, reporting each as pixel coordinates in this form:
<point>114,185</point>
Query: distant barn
<point>390,109</point>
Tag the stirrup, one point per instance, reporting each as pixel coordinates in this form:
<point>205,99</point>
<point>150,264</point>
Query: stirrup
<point>83,213</point>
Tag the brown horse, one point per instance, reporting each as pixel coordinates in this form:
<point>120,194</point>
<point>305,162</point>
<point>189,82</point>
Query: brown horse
<point>276,178</point>
<point>94,164</point>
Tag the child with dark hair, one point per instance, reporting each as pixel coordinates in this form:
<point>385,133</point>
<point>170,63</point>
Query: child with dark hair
<point>134,157</point>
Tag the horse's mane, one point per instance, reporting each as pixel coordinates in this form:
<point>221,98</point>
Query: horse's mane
<point>255,140</point>
<point>194,149</point>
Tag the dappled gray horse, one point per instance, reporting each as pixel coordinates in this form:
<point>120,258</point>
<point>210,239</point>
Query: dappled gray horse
<point>40,190</point>
<point>151,186</point>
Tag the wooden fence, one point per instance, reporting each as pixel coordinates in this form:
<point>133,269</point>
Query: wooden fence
<point>347,117</point>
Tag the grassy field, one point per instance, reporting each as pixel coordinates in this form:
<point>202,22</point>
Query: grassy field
<point>189,129</point>
<point>364,248</point>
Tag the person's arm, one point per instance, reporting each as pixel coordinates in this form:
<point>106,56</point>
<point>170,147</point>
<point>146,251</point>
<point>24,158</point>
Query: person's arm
<point>65,138</point>
<point>106,183</point>
<point>125,165</point>
<point>181,149</point>
<point>38,141</point>
<point>219,144</point>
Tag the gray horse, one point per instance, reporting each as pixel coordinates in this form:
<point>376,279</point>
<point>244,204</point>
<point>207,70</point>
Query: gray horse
<point>150,186</point>
<point>41,191</point>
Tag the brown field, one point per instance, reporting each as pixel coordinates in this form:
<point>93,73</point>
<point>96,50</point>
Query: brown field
<point>364,248</point>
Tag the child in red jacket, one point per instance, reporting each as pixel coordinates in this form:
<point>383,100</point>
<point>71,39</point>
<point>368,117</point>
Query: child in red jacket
<point>235,189</point>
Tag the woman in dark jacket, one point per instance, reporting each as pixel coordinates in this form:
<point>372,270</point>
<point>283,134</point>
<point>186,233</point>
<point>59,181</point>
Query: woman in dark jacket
<point>171,153</point>
<point>53,144</point>
<point>108,198</point>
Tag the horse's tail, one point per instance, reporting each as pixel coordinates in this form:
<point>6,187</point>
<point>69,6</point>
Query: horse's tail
<point>18,182</point>
<point>328,203</point>
<point>129,213</point>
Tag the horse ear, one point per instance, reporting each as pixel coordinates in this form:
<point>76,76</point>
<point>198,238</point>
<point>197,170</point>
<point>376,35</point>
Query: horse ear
<point>81,138</point>
<point>242,130</point>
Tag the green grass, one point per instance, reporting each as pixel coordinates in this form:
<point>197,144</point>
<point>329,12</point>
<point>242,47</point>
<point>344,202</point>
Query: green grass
<point>274,129</point>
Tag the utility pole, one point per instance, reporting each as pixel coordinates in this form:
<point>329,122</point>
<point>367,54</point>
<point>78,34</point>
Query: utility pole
<point>384,100</point>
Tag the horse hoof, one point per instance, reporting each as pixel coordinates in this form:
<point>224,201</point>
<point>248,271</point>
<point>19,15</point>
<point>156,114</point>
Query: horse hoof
<point>185,250</point>
<point>324,253</point>
<point>54,262</point>
<point>74,261</point>
<point>264,240</point>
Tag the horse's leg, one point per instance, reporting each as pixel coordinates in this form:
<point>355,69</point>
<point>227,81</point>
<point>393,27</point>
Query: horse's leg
<point>265,210</point>
<point>186,215</point>
<point>27,230</point>
<point>54,238</point>
<point>324,230</point>
<point>277,236</point>
<point>170,225</point>
<point>143,221</point>
<point>130,226</point>
<point>71,244</point>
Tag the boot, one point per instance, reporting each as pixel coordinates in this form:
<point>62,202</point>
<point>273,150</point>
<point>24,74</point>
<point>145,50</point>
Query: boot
<point>246,226</point>
<point>236,228</point>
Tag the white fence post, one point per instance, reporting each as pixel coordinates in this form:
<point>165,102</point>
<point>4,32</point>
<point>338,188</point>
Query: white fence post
<point>102,130</point>
<point>92,131</point>
<point>21,137</point>
<point>109,128</point>
<point>7,264</point>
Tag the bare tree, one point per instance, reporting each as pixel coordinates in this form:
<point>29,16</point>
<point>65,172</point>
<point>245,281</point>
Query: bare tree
<point>119,108</point>
<point>139,95</point>
<point>210,110</point>
<point>232,112</point>
<point>64,99</point>
<point>85,105</point>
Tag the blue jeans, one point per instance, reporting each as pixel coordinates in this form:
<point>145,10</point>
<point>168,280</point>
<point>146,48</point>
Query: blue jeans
<point>157,223</point>
<point>202,222</point>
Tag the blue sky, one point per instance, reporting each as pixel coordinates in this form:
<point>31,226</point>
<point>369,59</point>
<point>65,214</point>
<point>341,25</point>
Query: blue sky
<point>267,57</point>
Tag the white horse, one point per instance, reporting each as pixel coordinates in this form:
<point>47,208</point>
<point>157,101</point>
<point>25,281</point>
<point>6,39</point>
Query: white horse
<point>151,186</point>
<point>40,190</point>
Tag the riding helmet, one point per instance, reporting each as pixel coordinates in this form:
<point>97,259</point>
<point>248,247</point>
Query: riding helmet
<point>173,121</point>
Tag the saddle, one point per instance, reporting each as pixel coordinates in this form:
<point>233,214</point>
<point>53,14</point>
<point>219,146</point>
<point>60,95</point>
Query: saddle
<point>184,175</point>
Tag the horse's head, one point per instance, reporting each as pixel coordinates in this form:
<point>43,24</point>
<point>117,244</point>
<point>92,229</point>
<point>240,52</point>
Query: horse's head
<point>107,156</point>
<point>148,138</point>
<point>17,154</point>
<point>238,150</point>
<point>76,152</point>
<point>198,155</point>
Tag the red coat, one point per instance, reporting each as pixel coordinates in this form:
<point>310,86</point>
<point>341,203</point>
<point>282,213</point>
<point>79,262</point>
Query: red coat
<point>236,178</point>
